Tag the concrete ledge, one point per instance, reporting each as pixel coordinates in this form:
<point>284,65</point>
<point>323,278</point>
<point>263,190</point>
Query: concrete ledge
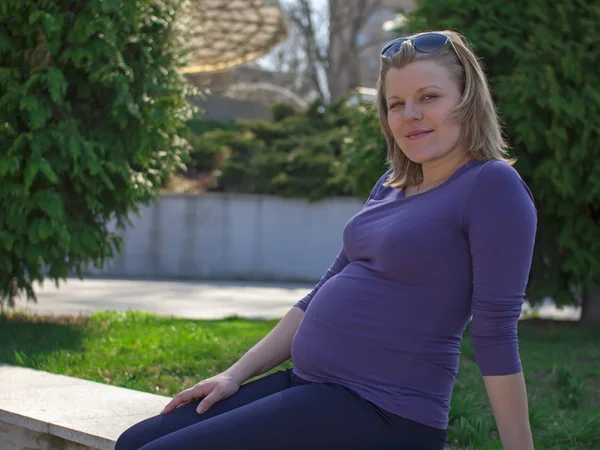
<point>44,411</point>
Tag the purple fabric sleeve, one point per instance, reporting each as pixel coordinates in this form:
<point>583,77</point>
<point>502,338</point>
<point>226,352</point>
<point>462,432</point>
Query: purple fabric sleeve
<point>500,219</point>
<point>341,260</point>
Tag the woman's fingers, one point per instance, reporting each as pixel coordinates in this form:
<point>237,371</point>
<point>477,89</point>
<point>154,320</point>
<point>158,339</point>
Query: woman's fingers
<point>209,401</point>
<point>177,400</point>
<point>185,397</point>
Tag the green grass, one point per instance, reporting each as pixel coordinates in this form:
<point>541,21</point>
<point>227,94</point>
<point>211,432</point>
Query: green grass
<point>162,355</point>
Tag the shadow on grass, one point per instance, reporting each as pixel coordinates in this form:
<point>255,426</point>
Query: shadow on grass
<point>26,340</point>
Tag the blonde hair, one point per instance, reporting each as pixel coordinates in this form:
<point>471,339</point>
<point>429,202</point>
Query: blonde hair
<point>481,131</point>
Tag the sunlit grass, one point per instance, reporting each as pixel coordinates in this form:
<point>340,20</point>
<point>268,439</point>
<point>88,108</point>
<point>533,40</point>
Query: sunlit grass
<point>163,355</point>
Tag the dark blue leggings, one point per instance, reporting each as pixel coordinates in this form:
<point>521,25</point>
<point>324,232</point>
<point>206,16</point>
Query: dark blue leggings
<point>281,411</point>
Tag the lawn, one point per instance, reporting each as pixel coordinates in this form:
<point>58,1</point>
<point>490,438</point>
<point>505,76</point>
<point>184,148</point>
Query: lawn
<point>162,355</point>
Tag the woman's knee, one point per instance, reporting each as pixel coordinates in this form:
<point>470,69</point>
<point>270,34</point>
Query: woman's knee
<point>130,439</point>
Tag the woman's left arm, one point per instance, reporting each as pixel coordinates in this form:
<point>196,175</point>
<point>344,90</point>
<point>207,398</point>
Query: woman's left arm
<point>501,220</point>
<point>508,397</point>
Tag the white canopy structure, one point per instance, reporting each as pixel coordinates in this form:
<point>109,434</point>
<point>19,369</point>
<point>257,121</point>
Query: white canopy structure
<point>223,34</point>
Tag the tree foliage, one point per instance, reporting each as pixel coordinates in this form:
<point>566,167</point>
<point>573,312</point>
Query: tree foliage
<point>304,155</point>
<point>364,151</point>
<point>92,108</point>
<point>542,62</point>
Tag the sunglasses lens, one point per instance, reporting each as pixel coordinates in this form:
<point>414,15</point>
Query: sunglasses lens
<point>393,48</point>
<point>431,42</point>
<point>425,43</point>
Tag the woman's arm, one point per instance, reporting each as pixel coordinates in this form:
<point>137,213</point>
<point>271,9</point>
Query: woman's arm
<point>272,350</point>
<point>508,397</point>
<point>501,221</point>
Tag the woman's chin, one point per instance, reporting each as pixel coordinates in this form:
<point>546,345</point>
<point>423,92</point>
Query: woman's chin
<point>420,156</point>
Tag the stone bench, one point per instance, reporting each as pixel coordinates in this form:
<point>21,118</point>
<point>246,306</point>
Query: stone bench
<point>44,411</point>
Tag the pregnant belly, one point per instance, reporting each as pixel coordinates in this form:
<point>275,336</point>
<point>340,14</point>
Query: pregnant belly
<point>364,327</point>
<point>354,328</point>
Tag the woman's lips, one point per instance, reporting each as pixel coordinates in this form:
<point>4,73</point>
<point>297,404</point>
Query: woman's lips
<point>418,135</point>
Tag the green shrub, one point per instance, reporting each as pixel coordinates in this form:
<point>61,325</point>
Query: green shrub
<point>204,154</point>
<point>92,108</point>
<point>296,156</point>
<point>198,126</point>
<point>270,132</point>
<point>305,171</point>
<point>280,111</point>
<point>364,151</point>
<point>238,148</point>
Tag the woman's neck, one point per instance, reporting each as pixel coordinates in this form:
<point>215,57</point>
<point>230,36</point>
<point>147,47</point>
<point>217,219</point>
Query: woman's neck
<point>438,171</point>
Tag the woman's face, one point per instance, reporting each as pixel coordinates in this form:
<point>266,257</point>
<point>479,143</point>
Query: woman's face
<point>420,99</point>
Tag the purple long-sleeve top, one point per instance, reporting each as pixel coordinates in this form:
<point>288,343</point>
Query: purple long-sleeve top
<point>387,318</point>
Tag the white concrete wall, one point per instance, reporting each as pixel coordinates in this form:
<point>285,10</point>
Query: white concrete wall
<point>15,437</point>
<point>233,236</point>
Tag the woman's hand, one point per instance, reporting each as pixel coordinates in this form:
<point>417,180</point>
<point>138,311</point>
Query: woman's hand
<point>213,389</point>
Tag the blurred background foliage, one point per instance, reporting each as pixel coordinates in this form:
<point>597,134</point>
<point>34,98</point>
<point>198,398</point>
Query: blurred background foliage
<point>92,114</point>
<point>328,150</point>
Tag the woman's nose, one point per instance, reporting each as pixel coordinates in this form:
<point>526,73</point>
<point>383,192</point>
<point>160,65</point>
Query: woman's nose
<point>412,112</point>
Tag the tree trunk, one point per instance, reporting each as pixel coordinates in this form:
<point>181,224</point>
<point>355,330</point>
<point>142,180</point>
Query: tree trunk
<point>590,310</point>
<point>342,70</point>
<point>346,19</point>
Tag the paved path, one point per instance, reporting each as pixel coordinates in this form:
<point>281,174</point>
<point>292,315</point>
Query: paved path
<point>199,300</point>
<point>210,300</point>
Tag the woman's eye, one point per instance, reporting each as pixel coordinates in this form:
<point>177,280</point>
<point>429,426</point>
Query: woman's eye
<point>429,96</point>
<point>394,105</point>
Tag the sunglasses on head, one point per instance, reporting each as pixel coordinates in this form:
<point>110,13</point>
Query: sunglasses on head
<point>424,43</point>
